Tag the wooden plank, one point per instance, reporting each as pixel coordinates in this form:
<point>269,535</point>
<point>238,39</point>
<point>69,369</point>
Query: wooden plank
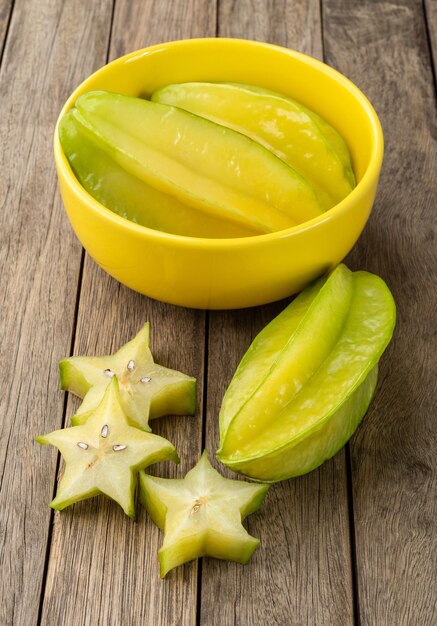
<point>293,24</point>
<point>138,24</point>
<point>50,47</point>
<point>97,554</point>
<point>301,574</point>
<point>382,47</point>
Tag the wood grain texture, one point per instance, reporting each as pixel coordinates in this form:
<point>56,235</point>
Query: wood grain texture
<point>301,574</point>
<point>39,265</point>
<point>110,562</point>
<point>102,568</point>
<point>139,24</point>
<point>382,46</point>
<point>290,23</point>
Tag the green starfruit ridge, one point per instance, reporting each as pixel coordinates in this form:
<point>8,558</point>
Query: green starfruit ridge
<point>308,378</point>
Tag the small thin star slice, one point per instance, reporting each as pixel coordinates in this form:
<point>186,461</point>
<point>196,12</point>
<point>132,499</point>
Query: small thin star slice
<point>147,390</point>
<point>201,515</point>
<point>104,455</point>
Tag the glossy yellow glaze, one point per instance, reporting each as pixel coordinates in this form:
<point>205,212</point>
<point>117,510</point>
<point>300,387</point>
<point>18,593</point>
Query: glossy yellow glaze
<point>229,273</point>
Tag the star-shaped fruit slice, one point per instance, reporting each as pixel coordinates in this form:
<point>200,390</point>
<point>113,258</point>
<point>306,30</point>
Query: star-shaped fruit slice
<point>201,515</point>
<point>147,390</point>
<point>104,455</point>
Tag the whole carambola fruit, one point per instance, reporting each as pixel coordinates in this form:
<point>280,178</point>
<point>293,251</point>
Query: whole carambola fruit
<point>298,136</point>
<point>202,164</point>
<point>308,378</point>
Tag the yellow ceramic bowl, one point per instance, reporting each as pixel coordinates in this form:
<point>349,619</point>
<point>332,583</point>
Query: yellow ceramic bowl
<point>229,273</point>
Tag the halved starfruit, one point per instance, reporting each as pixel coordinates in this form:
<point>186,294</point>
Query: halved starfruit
<point>104,455</point>
<point>201,515</point>
<point>308,378</point>
<point>147,390</point>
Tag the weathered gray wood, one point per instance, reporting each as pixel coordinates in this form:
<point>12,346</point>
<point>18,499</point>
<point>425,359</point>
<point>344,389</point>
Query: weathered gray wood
<point>139,24</point>
<point>382,47</point>
<point>100,556</point>
<point>301,574</point>
<point>102,567</point>
<point>290,23</point>
<point>50,47</point>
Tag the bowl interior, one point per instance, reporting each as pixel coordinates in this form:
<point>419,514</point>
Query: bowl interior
<point>239,272</point>
<point>312,83</point>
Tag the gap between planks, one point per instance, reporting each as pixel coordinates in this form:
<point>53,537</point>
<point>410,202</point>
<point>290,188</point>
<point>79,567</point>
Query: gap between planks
<point>349,484</point>
<point>203,442</point>
<point>293,25</point>
<point>64,409</point>
<point>58,458</point>
<point>431,37</point>
<point>6,31</point>
<point>117,48</point>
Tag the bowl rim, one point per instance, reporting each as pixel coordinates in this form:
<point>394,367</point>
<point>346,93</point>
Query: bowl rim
<point>370,173</point>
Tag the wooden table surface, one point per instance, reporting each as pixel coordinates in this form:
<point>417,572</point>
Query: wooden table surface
<point>350,543</point>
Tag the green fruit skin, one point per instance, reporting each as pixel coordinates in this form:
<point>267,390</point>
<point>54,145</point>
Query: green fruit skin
<point>218,547</point>
<point>204,165</point>
<point>317,445</point>
<point>129,196</point>
<point>71,380</point>
<point>176,399</point>
<point>310,344</point>
<point>263,353</point>
<point>314,423</point>
<point>148,498</point>
<point>283,126</point>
